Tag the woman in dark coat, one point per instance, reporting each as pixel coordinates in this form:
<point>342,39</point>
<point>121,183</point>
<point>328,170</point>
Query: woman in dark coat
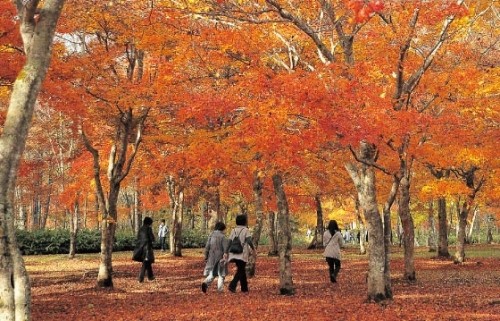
<point>144,249</point>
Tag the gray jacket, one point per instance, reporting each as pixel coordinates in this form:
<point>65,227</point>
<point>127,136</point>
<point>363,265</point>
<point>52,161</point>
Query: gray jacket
<point>215,248</point>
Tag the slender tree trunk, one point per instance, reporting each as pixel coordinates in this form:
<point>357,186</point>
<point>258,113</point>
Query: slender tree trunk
<point>137,212</point>
<point>97,213</point>
<point>362,230</point>
<point>259,212</point>
<point>178,226</point>
<point>35,213</point>
<point>431,240</point>
<point>317,241</point>
<point>442,229</point>
<point>387,234</point>
<point>284,238</point>
<point>273,245</point>
<point>473,226</point>
<point>461,235</point>
<point>176,195</point>
<point>22,218</point>
<point>119,165</point>
<point>85,211</point>
<point>408,229</point>
<point>470,181</point>
<point>73,232</point>
<point>45,210</point>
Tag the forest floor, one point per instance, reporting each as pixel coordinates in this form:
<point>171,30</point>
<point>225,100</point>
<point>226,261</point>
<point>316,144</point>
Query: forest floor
<point>64,289</point>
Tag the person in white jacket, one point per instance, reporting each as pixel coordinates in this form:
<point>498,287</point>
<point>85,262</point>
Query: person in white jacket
<point>162,234</point>
<point>332,242</point>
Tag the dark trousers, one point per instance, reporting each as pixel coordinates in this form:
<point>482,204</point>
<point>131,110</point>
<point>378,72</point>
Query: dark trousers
<point>240,276</point>
<point>146,268</point>
<point>163,243</point>
<point>333,268</point>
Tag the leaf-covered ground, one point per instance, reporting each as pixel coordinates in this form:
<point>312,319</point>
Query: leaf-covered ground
<point>64,289</point>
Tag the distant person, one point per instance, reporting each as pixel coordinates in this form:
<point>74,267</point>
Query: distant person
<point>332,242</point>
<point>215,258</point>
<point>241,232</point>
<point>162,235</point>
<point>309,233</point>
<point>144,249</point>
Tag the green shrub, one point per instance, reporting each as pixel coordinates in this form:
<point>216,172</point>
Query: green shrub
<point>89,241</point>
<point>193,239</point>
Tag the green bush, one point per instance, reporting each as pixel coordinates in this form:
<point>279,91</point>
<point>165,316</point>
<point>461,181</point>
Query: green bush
<point>193,239</point>
<point>89,241</point>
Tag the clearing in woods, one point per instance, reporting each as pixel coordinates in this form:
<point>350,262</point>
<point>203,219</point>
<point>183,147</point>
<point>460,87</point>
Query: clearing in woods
<point>64,289</point>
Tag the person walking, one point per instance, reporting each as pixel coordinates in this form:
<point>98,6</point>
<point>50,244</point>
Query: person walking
<point>162,235</point>
<point>241,233</point>
<point>332,242</point>
<point>144,249</point>
<point>215,258</point>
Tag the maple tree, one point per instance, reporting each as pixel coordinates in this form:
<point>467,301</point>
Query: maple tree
<point>259,107</point>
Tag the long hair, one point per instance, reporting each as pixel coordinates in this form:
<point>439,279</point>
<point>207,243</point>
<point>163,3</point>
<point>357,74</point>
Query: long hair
<point>333,227</point>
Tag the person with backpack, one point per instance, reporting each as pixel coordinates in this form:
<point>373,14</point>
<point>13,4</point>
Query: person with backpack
<point>239,247</point>
<point>215,258</point>
<point>332,242</point>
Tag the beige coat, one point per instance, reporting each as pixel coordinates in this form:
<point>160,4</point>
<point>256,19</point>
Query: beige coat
<point>246,240</point>
<point>332,244</point>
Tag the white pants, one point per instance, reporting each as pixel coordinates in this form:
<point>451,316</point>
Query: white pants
<point>220,281</point>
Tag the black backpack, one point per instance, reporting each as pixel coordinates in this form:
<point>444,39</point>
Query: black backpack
<point>236,247</point>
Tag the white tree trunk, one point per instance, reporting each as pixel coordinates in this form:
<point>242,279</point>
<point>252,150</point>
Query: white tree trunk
<point>37,35</point>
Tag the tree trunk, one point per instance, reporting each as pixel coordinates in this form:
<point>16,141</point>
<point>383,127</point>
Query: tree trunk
<point>45,211</point>
<point>442,229</point>
<point>273,245</point>
<point>469,178</point>
<point>176,196</point>
<point>317,241</point>
<point>259,213</point>
<point>105,274</point>
<point>119,164</point>
<point>431,239</point>
<point>73,232</point>
<point>37,35</point>
<point>35,213</point>
<point>388,233</point>
<point>178,226</point>
<point>473,226</point>
<point>284,238</point>
<point>362,230</point>
<point>363,177</point>
<point>461,235</point>
<point>408,229</point>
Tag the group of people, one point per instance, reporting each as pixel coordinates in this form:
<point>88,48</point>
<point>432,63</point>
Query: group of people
<point>219,252</point>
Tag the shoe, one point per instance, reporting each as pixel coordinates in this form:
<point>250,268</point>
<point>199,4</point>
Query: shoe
<point>204,287</point>
<point>151,278</point>
<point>232,290</point>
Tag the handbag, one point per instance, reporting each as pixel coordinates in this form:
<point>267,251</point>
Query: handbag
<point>138,254</point>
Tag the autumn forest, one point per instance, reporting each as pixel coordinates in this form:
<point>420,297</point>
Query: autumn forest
<point>380,114</point>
